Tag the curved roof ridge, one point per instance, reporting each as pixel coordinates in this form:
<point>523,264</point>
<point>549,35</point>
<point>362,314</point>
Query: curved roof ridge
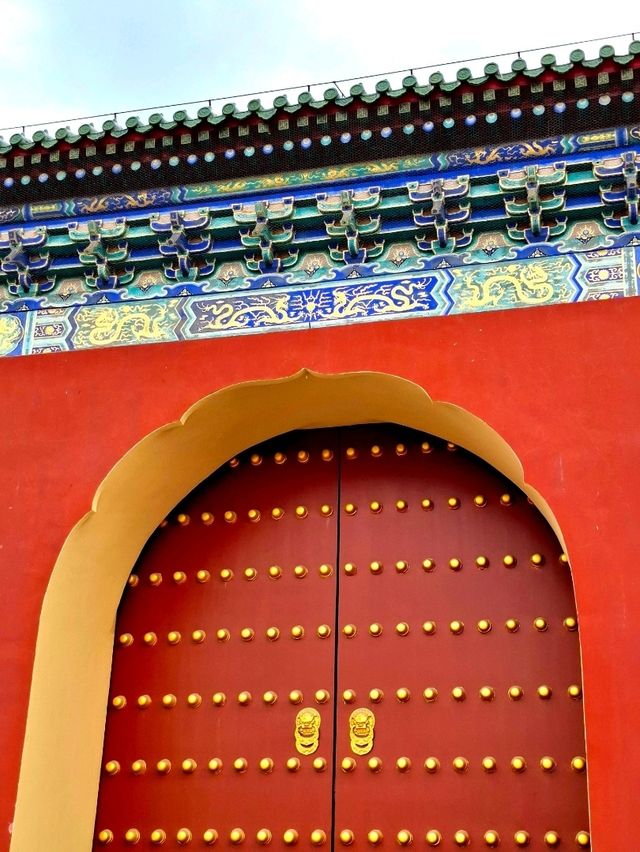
<point>437,82</point>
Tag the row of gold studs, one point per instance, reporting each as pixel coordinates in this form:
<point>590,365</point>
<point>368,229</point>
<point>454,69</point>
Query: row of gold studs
<point>219,699</point>
<point>457,627</point>
<point>318,837</point>
<point>351,453</point>
<point>536,560</point>
<point>247,634</point>
<point>321,696</point>
<point>460,764</point>
<point>401,566</point>
<point>184,836</point>
<point>226,574</point>
<point>458,693</point>
<point>326,510</point>
<point>266,765</point>
<point>215,765</point>
<point>323,631</point>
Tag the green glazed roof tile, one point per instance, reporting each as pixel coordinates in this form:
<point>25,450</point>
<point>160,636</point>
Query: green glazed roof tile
<point>281,103</point>
<point>532,73</point>
<point>41,136</point>
<point>423,91</point>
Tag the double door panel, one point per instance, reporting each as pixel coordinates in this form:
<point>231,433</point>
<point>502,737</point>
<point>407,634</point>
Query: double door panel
<point>260,636</point>
<point>318,573</point>
<point>430,571</point>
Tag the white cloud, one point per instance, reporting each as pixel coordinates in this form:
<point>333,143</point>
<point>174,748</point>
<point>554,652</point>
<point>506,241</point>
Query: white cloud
<point>285,43</point>
<point>20,27</point>
<point>52,68</point>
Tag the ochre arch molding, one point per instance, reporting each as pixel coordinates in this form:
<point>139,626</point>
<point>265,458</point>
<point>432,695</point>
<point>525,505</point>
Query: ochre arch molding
<point>60,769</point>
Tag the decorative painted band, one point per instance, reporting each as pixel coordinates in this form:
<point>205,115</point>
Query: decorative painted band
<point>601,274</point>
<point>436,162</point>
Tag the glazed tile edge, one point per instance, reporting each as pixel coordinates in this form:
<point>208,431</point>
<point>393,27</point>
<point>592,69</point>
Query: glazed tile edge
<point>402,258</point>
<point>540,281</point>
<point>159,198</point>
<point>63,272</point>
<point>437,83</point>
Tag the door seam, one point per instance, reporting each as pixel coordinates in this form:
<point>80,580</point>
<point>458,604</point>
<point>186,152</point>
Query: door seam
<point>336,633</point>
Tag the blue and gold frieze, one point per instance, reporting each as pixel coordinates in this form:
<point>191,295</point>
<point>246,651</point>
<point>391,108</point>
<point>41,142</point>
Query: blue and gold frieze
<point>413,222</point>
<point>468,158</point>
<point>537,281</point>
<point>307,307</point>
<point>317,268</point>
<point>12,334</point>
<point>514,285</point>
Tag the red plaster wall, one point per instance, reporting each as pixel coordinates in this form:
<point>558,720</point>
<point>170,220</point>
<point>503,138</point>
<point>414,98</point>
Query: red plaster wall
<point>559,384</point>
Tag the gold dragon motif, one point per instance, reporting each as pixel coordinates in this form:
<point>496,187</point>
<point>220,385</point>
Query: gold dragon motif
<point>520,283</point>
<point>10,333</point>
<point>229,315</point>
<point>397,300</point>
<point>104,326</point>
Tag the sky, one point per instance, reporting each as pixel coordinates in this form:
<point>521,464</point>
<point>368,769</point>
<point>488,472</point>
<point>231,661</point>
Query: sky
<point>74,58</point>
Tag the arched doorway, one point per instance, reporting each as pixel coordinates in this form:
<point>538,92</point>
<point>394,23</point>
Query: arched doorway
<point>403,597</point>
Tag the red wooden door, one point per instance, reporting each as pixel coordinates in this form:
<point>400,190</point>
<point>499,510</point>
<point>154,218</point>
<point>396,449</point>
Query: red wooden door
<point>240,560</point>
<point>465,651</point>
<point>381,584</point>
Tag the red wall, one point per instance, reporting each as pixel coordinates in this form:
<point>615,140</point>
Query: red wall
<point>559,384</point>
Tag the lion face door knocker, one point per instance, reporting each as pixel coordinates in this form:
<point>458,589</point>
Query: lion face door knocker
<point>307,730</point>
<point>361,725</point>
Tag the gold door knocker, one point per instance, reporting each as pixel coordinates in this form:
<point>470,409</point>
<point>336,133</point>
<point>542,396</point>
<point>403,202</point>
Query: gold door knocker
<point>361,725</point>
<point>307,730</point>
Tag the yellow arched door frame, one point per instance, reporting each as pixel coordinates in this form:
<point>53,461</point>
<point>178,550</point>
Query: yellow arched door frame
<point>60,768</point>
